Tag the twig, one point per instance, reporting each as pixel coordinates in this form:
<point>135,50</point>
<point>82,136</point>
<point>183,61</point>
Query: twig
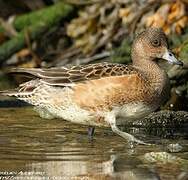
<point>152,4</point>
<point>83,3</point>
<point>9,29</point>
<point>28,43</point>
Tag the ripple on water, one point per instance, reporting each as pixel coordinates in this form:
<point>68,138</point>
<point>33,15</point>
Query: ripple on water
<point>62,149</point>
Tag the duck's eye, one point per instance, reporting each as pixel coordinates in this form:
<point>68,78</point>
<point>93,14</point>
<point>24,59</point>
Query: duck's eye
<point>156,43</point>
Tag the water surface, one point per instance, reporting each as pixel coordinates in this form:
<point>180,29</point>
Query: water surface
<point>55,149</point>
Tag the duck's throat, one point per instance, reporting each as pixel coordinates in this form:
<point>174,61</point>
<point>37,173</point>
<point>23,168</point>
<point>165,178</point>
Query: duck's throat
<point>151,70</point>
<point>156,77</point>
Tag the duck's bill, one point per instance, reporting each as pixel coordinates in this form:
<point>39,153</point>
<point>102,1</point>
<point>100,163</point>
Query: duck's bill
<point>171,58</point>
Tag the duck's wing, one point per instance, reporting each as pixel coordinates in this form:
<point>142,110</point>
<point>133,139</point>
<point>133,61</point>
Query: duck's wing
<point>64,76</point>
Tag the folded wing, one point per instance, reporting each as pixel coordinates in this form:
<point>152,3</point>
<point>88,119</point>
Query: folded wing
<point>64,76</point>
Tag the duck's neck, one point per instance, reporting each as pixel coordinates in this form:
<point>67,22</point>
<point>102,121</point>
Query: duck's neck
<point>156,78</point>
<point>151,70</point>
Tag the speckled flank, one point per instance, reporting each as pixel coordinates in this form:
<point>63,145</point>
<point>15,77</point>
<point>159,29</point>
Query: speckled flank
<point>104,94</point>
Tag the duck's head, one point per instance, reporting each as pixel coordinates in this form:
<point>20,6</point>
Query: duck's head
<point>151,45</point>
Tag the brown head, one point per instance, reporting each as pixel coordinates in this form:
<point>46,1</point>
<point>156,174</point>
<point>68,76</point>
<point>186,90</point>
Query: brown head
<point>150,45</point>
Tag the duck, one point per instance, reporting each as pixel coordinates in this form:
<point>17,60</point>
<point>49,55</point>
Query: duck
<point>103,94</point>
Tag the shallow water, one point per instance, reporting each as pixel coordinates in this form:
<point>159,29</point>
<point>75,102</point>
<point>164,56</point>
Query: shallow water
<point>56,149</point>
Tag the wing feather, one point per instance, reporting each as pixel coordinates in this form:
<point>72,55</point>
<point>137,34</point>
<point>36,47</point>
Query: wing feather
<point>64,76</point>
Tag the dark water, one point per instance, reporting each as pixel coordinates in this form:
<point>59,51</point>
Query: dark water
<point>35,148</point>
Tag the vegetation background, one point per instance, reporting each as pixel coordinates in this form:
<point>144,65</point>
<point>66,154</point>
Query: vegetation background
<point>47,33</point>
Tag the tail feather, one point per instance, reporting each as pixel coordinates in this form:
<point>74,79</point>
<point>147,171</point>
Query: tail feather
<point>12,92</point>
<point>29,92</point>
<point>23,71</point>
<point>23,91</point>
<point>9,92</point>
<point>27,97</point>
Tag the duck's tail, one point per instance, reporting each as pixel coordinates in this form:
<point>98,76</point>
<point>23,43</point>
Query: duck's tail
<point>12,92</point>
<point>25,92</point>
<point>18,95</point>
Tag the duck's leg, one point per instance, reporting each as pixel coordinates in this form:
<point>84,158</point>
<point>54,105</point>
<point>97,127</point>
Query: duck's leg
<point>111,118</point>
<point>127,136</point>
<point>91,131</point>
